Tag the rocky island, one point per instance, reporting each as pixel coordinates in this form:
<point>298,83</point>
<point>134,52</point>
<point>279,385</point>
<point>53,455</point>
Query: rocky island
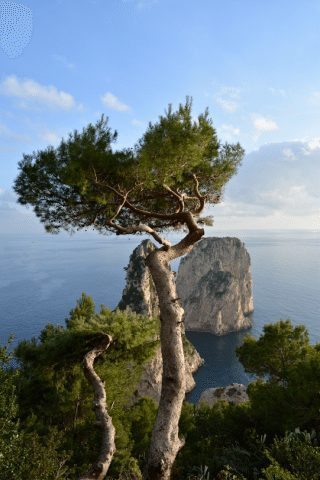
<point>214,283</point>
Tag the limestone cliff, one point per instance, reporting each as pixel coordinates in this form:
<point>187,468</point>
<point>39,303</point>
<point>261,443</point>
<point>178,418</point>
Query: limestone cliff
<point>215,286</point>
<point>140,296</point>
<point>139,293</point>
<point>150,382</point>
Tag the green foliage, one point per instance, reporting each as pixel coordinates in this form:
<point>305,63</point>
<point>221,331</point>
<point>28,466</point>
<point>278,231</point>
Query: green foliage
<point>217,437</point>
<point>54,394</point>
<point>275,353</point>
<point>294,457</point>
<point>8,404</point>
<point>289,396</point>
<point>178,146</point>
<point>142,417</point>
<point>24,455</point>
<point>47,426</point>
<point>249,441</point>
<point>81,183</point>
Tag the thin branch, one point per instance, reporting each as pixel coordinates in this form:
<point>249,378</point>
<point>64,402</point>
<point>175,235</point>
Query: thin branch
<point>177,196</point>
<point>178,217</point>
<point>141,228</point>
<point>120,207</point>
<point>200,197</point>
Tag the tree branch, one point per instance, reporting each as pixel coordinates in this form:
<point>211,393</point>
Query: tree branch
<point>200,197</point>
<point>139,228</point>
<point>100,468</point>
<point>178,197</point>
<point>120,207</point>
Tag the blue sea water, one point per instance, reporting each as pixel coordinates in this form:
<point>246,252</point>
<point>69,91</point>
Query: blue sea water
<point>41,277</point>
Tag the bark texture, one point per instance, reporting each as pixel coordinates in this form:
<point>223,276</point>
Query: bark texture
<point>100,468</point>
<point>165,441</point>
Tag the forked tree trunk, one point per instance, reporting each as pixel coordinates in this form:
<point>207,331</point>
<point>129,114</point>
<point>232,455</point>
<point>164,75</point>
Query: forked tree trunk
<point>100,468</point>
<point>165,442</point>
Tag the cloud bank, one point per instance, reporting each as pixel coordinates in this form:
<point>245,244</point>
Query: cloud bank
<point>277,186</point>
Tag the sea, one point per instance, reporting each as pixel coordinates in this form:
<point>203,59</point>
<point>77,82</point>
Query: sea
<point>42,276</point>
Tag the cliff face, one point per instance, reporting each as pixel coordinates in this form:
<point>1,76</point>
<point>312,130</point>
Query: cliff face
<point>150,382</point>
<point>215,286</point>
<point>140,293</point>
<point>140,296</point>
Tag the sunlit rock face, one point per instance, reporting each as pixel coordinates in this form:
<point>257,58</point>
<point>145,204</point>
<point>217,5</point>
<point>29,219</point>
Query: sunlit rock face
<point>214,283</point>
<point>234,393</point>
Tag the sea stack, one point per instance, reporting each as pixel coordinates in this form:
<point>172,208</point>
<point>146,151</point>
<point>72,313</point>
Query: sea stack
<point>214,283</point>
<point>139,293</point>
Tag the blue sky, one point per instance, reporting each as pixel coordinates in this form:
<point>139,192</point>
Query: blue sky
<point>253,63</point>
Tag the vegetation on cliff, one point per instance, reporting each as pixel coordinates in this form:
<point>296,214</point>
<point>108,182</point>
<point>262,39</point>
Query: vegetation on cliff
<point>47,426</point>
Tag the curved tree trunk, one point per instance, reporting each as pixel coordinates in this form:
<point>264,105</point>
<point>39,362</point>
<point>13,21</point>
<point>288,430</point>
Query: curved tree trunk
<point>165,441</point>
<point>100,468</point>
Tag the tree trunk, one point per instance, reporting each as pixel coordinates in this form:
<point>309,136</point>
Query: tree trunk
<point>165,442</point>
<point>100,468</point>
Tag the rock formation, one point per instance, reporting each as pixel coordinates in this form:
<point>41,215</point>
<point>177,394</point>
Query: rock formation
<point>150,382</point>
<point>140,293</point>
<point>215,286</point>
<point>140,296</point>
<point>234,393</point>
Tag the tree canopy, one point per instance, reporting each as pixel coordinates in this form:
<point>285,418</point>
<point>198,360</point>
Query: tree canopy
<point>163,182</point>
<point>276,352</point>
<point>173,171</point>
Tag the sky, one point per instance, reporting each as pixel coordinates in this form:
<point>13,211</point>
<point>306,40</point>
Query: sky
<point>254,64</point>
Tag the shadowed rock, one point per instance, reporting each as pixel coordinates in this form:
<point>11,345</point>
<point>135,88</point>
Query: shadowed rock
<point>139,293</point>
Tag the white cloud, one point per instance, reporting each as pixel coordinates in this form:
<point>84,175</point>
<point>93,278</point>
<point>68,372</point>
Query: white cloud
<point>294,199</point>
<point>111,101</point>
<point>63,61</point>
<point>229,132</point>
<point>315,98</point>
<point>16,219</point>
<point>50,137</point>
<point>279,92</point>
<point>5,132</point>
<point>141,3</point>
<point>228,99</point>
<point>137,123</point>
<point>7,197</point>
<point>288,153</point>
<point>263,124</point>
<point>32,92</point>
<point>313,144</point>
<point>268,186</point>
